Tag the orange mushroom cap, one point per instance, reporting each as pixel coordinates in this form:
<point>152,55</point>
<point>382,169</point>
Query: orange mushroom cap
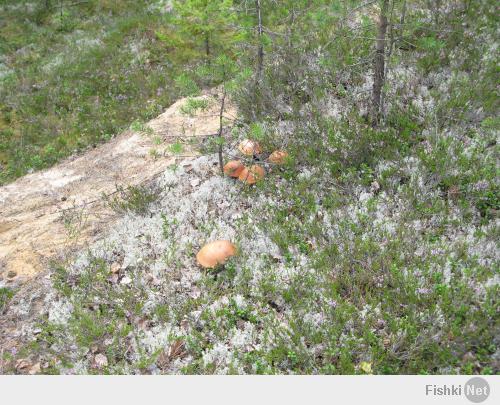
<point>252,174</point>
<point>233,168</point>
<point>278,157</point>
<point>249,147</point>
<point>215,253</point>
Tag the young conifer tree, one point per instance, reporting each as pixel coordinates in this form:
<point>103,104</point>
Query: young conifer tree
<point>222,71</point>
<point>207,21</point>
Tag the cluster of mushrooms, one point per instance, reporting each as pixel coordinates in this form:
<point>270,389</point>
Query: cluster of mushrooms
<point>254,173</point>
<point>217,253</point>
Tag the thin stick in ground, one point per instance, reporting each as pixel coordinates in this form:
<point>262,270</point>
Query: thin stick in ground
<point>219,134</point>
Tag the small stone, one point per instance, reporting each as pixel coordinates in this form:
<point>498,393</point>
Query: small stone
<point>11,274</point>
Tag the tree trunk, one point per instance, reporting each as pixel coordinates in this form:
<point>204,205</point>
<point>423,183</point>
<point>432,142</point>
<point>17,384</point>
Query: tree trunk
<point>379,63</point>
<point>388,56</point>
<point>260,51</point>
<point>207,45</point>
<point>220,139</point>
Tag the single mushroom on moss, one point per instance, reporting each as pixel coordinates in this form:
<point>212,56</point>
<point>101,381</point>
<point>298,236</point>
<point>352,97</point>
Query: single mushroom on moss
<point>251,175</point>
<point>233,168</point>
<point>249,147</point>
<point>215,253</point>
<point>278,157</point>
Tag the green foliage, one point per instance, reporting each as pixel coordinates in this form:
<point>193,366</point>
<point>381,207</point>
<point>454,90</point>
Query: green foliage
<point>186,85</point>
<point>221,70</point>
<point>136,199</point>
<point>139,126</point>
<point>176,148</point>
<point>207,21</point>
<point>94,321</point>
<point>68,87</point>
<point>193,105</point>
<point>5,295</point>
<point>432,47</point>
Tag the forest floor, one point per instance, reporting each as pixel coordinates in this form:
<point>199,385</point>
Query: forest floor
<point>53,212</point>
<point>381,272</point>
<point>370,250</point>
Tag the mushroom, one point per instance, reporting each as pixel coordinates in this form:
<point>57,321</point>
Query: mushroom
<point>215,253</point>
<point>252,174</point>
<point>278,157</point>
<point>233,168</point>
<point>249,147</point>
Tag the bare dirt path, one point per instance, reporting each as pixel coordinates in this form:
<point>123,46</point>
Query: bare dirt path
<point>49,212</point>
